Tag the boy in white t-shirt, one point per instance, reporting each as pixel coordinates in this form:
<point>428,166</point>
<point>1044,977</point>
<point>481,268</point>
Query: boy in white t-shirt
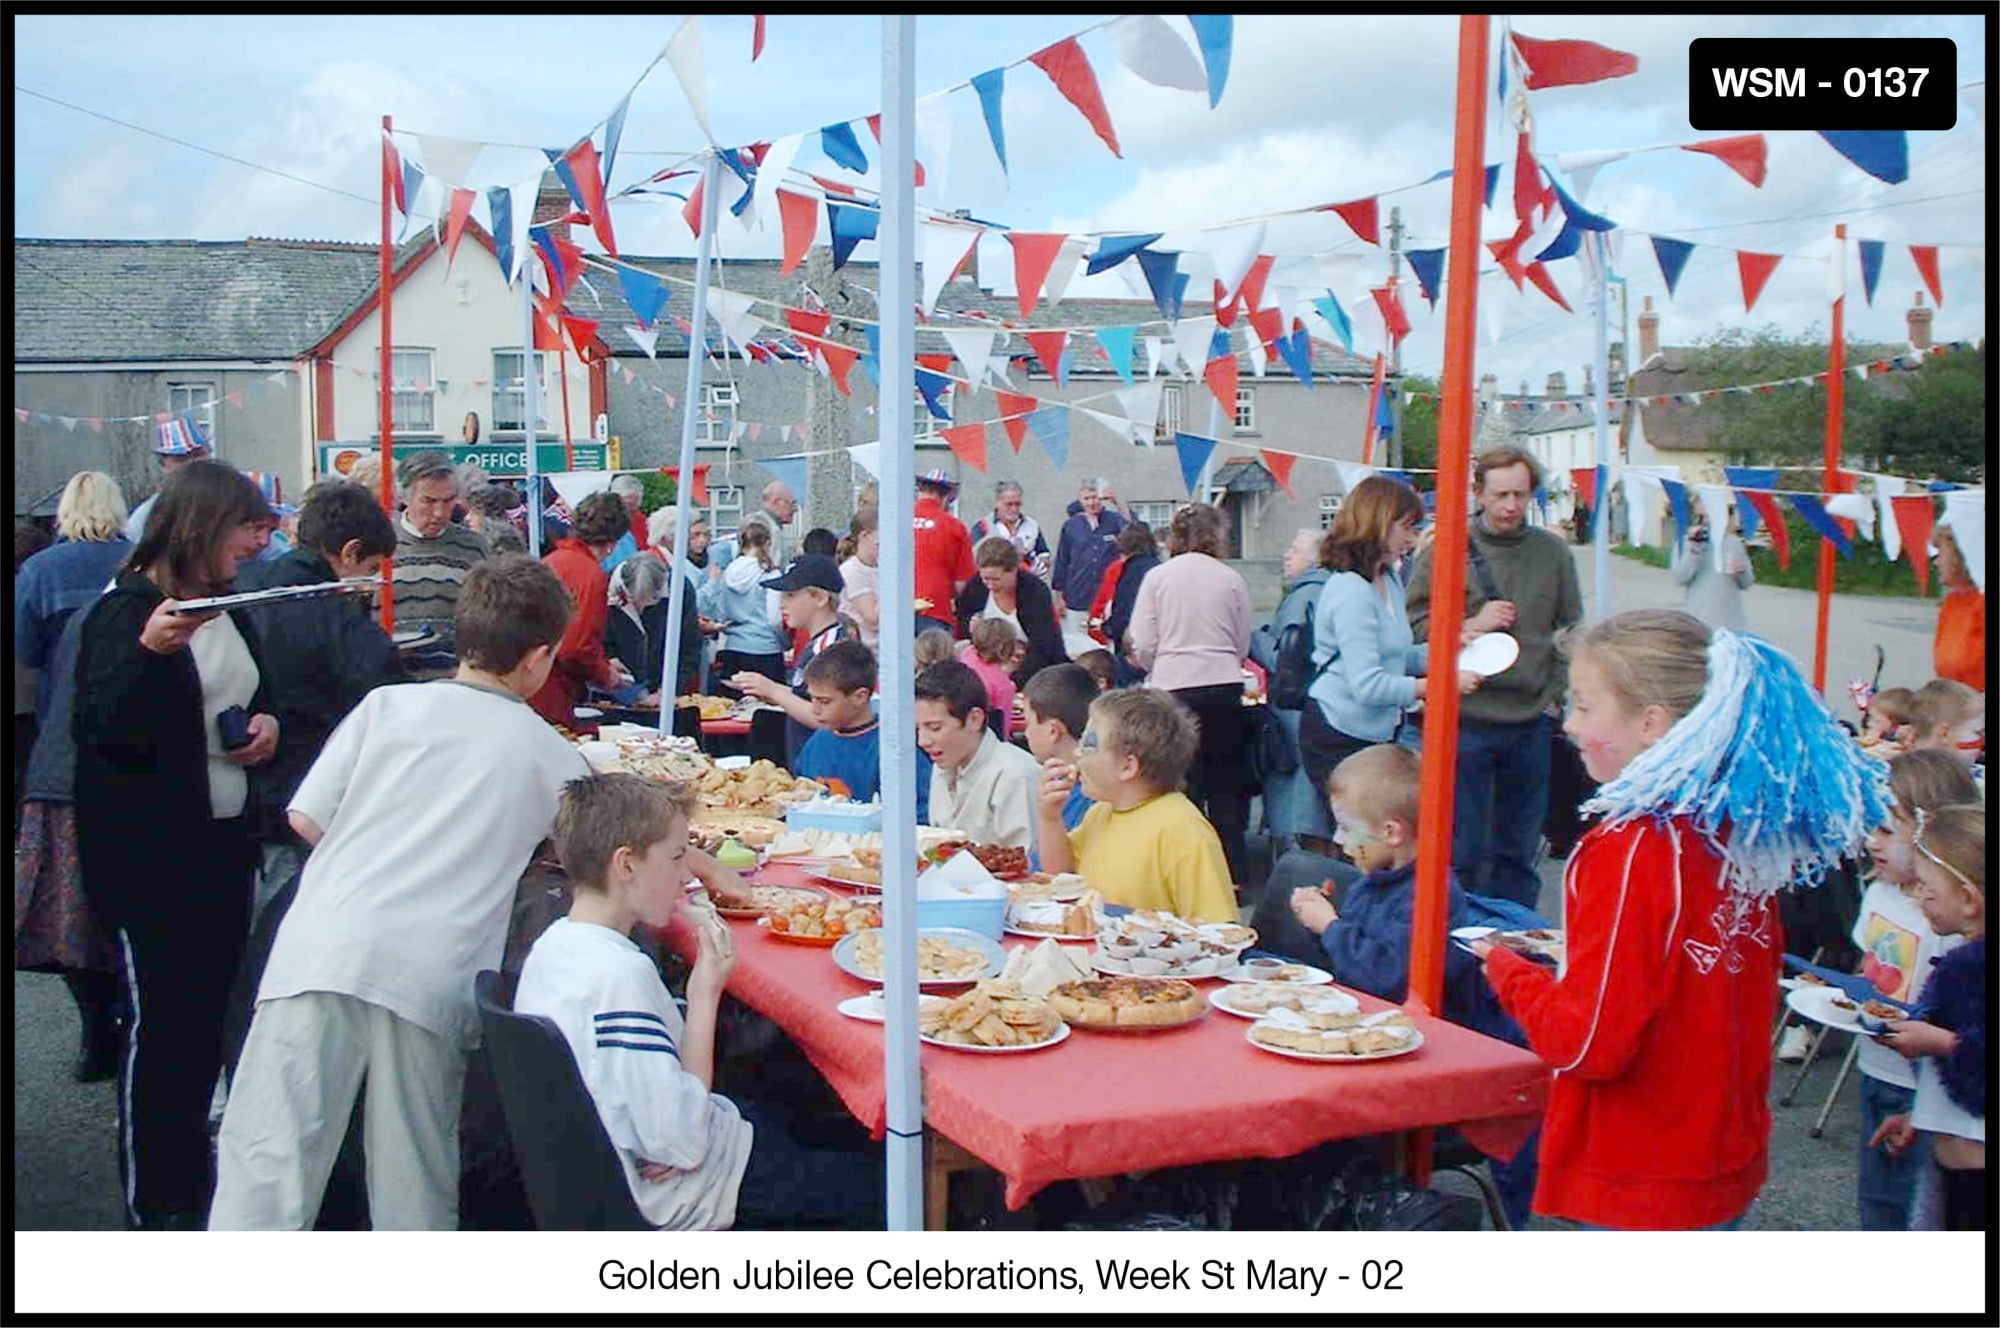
<point>687,1151</point>
<point>423,810</point>
<point>1898,948</point>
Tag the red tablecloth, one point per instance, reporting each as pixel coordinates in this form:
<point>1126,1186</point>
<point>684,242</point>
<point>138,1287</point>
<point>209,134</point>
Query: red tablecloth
<point>1106,1103</point>
<point>725,728</point>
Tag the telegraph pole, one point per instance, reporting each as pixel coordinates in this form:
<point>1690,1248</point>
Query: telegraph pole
<point>1395,384</point>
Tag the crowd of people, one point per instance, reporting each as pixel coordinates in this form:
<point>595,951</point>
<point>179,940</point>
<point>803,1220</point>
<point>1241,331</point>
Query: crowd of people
<point>344,847</point>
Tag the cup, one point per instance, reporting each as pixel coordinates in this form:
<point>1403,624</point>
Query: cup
<point>1262,970</point>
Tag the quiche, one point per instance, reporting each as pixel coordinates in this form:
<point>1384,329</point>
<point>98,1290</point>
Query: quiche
<point>1126,1002</point>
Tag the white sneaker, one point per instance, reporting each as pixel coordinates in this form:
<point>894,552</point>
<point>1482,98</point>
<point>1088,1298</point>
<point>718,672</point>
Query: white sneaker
<point>1793,1046</point>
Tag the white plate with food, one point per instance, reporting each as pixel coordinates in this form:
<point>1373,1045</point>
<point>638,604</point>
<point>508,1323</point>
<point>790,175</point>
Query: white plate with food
<point>1061,1033</point>
<point>946,956</point>
<point>1296,975</point>
<point>869,1008</point>
<point>1013,928</point>
<point>765,898</point>
<point>1194,969</point>
<point>1380,1036</point>
<point>1254,1000</point>
<point>1826,1005</point>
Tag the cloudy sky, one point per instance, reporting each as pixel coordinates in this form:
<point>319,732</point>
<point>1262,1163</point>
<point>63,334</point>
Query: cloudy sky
<point>1318,109</point>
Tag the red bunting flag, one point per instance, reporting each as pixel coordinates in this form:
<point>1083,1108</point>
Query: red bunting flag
<point>1362,217</point>
<point>1743,154</point>
<point>1393,317</point>
<point>691,210</point>
<point>1507,253</point>
<point>1069,69</point>
<point>834,186</point>
<point>799,215</point>
<point>1774,521</point>
<point>1048,348</point>
<point>875,128</point>
<point>1538,273</point>
<point>939,364</point>
<point>967,443</point>
<point>1563,64</point>
<point>392,166</point>
<point>1926,256</point>
<point>1251,292</point>
<point>840,360</point>
<point>1221,375</point>
<point>1269,325</point>
<point>1914,517</point>
<point>757,36</point>
<point>811,322</point>
<point>1034,255</point>
<point>1014,412</point>
<point>546,335</point>
<point>582,331</point>
<point>454,226</point>
<point>1585,480</point>
<point>1528,187</point>
<point>583,167</point>
<point>1280,466</point>
<point>698,490</point>
<point>1755,269</point>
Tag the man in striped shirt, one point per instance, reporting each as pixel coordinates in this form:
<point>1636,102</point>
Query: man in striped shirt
<point>433,556</point>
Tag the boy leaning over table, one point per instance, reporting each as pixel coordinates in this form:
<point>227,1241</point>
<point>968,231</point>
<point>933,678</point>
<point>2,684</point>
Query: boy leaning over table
<point>1144,844</point>
<point>693,1159</point>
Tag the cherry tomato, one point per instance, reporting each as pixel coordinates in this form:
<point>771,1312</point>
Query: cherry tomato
<point>835,927</point>
<point>780,922</point>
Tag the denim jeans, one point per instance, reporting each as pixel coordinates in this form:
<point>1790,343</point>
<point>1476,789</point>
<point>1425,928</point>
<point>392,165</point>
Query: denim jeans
<point>787,1184</point>
<point>1502,800</point>
<point>1885,1183</point>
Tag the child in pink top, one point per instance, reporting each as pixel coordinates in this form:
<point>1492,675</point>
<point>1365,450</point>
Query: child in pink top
<point>991,654</point>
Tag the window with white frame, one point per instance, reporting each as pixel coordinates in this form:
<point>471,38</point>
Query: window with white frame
<point>924,425</point>
<point>1154,515</point>
<point>414,390</point>
<point>196,399</point>
<point>1170,413</point>
<point>716,425</point>
<point>1246,410</point>
<point>725,507</point>
<point>509,404</point>
<point>1329,505</point>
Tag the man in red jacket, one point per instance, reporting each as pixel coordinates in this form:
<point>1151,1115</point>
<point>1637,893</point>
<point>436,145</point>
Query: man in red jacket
<point>943,552</point>
<point>599,522</point>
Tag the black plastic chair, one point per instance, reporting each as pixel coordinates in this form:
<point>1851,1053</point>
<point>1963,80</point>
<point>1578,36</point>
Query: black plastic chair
<point>574,1179</point>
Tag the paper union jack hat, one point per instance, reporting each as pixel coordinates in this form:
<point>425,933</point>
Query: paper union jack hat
<point>940,478</point>
<point>273,492</point>
<point>179,436</point>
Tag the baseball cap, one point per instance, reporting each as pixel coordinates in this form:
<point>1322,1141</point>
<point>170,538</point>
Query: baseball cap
<point>938,477</point>
<point>810,571</point>
<point>179,436</point>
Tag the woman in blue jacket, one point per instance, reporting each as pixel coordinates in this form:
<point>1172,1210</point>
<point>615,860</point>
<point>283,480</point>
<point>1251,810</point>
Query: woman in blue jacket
<point>1294,809</point>
<point>1365,658</point>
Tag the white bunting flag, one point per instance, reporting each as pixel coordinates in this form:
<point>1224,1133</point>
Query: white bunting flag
<point>945,246</point>
<point>1714,499</point>
<point>771,174</point>
<point>731,312</point>
<point>1582,167</point>
<point>1069,259</point>
<point>1121,428</point>
<point>683,54</point>
<point>1191,338</point>
<point>1352,473</point>
<point>648,340</point>
<point>868,456</point>
<point>1233,250</point>
<point>450,159</point>
<point>1856,508</point>
<point>1155,352</point>
<point>933,117</point>
<point>1887,487</point>
<point>974,348</point>
<point>1141,403</point>
<point>1147,46</point>
<point>1254,344</point>
<point>1965,513</point>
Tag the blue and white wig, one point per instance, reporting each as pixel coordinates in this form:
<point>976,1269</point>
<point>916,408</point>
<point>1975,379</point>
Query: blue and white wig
<point>1771,780</point>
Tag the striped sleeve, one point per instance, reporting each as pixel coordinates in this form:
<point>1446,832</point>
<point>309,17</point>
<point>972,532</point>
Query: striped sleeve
<point>649,1104</point>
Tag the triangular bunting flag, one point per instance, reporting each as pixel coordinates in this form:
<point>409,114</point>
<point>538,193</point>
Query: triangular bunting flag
<point>974,349</point>
<point>945,249</point>
<point>1871,267</point>
<point>1069,69</point>
<point>840,361</point>
<point>1141,405</point>
<point>1561,64</point>
<point>1926,259</point>
<point>1048,348</point>
<point>683,55</point>
<point>1111,252</point>
<point>1814,513</point>
<point>842,148</point>
<point>1280,465</point>
<point>1014,412</point>
<point>582,331</point>
<point>1156,352</point>
<point>1192,338</point>
<point>799,215</point>
<point>644,292</point>
<point>988,85</point>
<point>1352,473</point>
<point>731,311</point>
<point>647,339</point>
<point>1149,48</point>
<point>933,385</point>
<point>1269,327</point>
<point>1538,275</point>
<point>813,323</point>
<point>1033,255</point>
<point>1393,318</point>
<point>1883,153</point>
<point>1117,343</point>
<point>1051,429</point>
<point>1677,502</point>
<point>461,212</point>
<point>1297,352</point>
<point>850,224</point>
<point>1221,374</point>
<point>1213,33</point>
<point>1121,428</point>
<point>1232,250</point>
<point>1755,270</point>
<point>757,36</point>
<point>967,443</point>
<point>1428,264</point>
<point>1743,154</point>
<point>1194,454</point>
<point>1915,516</point>
<point>1063,270</point>
<point>587,185</point>
<point>1336,318</point>
<point>1163,279</point>
<point>1965,514</point>
<point>1361,217</point>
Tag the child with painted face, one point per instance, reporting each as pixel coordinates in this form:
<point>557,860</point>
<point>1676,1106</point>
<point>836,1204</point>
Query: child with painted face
<point>1657,1027</point>
<point>1898,948</point>
<point>1948,1041</point>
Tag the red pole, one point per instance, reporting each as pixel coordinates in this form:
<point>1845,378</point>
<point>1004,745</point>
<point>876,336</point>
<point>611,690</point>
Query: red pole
<point>1374,412</point>
<point>569,444</point>
<point>388,380</point>
<point>1836,404</point>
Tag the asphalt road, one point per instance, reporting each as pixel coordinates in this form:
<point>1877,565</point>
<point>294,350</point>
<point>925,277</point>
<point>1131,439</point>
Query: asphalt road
<point>66,1176</point>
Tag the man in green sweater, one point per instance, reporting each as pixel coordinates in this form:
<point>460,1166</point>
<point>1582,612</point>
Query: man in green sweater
<point>1521,581</point>
<point>433,556</point>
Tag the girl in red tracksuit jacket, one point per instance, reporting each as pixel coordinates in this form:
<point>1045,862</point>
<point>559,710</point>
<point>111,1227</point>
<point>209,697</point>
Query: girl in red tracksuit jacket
<point>1723,779</point>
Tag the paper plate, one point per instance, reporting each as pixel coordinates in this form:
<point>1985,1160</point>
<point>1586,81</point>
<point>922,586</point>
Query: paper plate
<point>996,958</point>
<point>1816,1004</point>
<point>1492,653</point>
<point>1416,1041</point>
<point>868,1008</point>
<point>1220,998</point>
<point>1314,977</point>
<point>1061,1033</point>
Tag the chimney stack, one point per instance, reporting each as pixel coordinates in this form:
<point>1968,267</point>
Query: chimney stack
<point>1919,319</point>
<point>1589,380</point>
<point>1558,385</point>
<point>551,200</point>
<point>1489,388</point>
<point>1649,334</point>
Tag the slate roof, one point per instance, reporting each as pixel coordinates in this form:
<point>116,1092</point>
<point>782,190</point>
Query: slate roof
<point>759,279</point>
<point>1685,428</point>
<point>92,301</point>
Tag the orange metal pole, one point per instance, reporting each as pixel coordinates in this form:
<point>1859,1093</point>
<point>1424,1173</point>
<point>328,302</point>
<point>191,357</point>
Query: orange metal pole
<point>1374,413</point>
<point>569,439</point>
<point>1836,405</point>
<point>388,380</point>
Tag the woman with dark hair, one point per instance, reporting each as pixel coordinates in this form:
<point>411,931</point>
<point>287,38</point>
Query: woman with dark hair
<point>163,745</point>
<point>1024,603</point>
<point>1138,555</point>
<point>1190,631</point>
<point>1365,658</point>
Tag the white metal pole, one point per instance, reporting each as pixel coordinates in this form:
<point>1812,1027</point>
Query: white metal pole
<point>528,432</point>
<point>697,353</point>
<point>1601,544</point>
<point>905,1147</point>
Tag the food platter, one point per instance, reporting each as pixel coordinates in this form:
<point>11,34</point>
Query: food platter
<point>795,938</point>
<point>868,1007</point>
<point>1296,975</point>
<point>1061,1034</point>
<point>1128,1005</point>
<point>1416,1041</point>
<point>764,898</point>
<point>992,1016</point>
<point>846,952</point>
<point>1253,1001</point>
<point>1374,1027</point>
